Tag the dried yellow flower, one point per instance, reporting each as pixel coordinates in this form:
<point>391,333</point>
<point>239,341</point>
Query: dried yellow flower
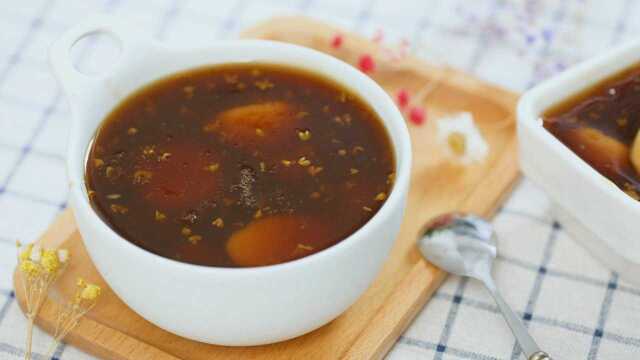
<point>314,170</point>
<point>160,216</point>
<point>353,171</point>
<point>367,209</point>
<point>148,150</point>
<point>258,214</point>
<point>344,120</point>
<point>632,193</point>
<point>49,261</point>
<point>90,292</point>
<point>304,247</point>
<point>110,171</point>
<point>303,161</point>
<point>30,269</point>
<point>391,178</point>
<point>25,253</point>
<point>39,268</point>
<point>259,132</point>
<point>304,135</point>
<point>35,261</point>
<point>164,157</point>
<point>342,152</point>
<point>132,131</point>
<point>218,222</point>
<point>212,167</point>
<point>142,177</point>
<point>381,196</point>
<point>630,190</point>
<point>263,166</point>
<point>263,84</point>
<point>286,162</point>
<point>185,231</point>
<point>194,239</point>
<point>98,163</point>
<point>69,314</point>
<point>119,209</point>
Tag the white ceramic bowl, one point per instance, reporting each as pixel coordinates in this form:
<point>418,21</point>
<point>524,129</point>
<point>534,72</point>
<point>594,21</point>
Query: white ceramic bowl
<point>592,208</point>
<point>227,306</point>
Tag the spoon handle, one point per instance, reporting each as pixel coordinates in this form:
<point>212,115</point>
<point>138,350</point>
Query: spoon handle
<point>528,345</point>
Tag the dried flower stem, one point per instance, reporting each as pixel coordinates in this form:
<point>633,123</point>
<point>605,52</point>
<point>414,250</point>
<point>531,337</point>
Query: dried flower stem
<point>27,352</point>
<point>69,314</point>
<point>431,86</point>
<point>39,268</point>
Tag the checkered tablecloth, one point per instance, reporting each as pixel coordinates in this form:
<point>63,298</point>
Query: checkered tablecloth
<point>574,307</point>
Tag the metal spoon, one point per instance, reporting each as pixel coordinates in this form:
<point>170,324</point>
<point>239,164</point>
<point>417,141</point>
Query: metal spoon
<point>465,245</point>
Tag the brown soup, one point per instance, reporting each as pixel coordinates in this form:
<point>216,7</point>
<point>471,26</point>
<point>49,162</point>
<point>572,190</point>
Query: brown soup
<point>600,125</point>
<point>239,165</point>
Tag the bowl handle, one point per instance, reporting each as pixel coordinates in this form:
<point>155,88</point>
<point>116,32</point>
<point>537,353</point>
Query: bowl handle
<point>76,84</point>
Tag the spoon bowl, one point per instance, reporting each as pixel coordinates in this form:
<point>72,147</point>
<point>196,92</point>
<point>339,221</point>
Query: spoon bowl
<point>465,245</point>
<point>462,244</point>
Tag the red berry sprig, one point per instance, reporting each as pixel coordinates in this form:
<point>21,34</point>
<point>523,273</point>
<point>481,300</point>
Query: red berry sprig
<point>336,41</point>
<point>366,64</point>
<point>417,115</point>
<point>402,98</point>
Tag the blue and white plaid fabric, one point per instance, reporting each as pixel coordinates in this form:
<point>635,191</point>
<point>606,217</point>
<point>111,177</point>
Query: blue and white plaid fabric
<point>574,307</point>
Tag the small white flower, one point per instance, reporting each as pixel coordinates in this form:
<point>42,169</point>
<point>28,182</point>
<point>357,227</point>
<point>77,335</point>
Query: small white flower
<point>462,139</point>
<point>63,255</point>
<point>36,253</point>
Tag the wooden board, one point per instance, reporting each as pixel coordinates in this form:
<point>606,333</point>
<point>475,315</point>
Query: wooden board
<point>368,328</point>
